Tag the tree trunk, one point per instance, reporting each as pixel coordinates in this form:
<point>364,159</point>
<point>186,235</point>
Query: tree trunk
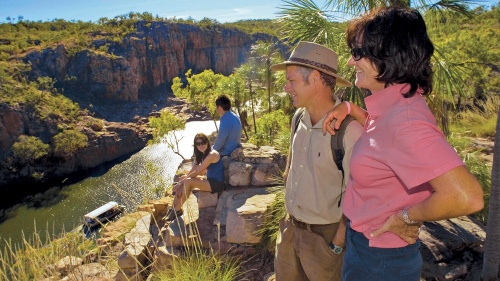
<point>269,83</point>
<point>253,111</point>
<point>242,122</point>
<point>445,119</point>
<point>491,260</point>
<point>215,123</point>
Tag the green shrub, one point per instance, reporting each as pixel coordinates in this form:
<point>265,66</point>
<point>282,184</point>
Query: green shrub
<point>96,124</point>
<point>197,266</point>
<point>477,166</point>
<point>478,122</point>
<point>69,141</point>
<point>103,49</point>
<point>273,129</point>
<point>29,148</point>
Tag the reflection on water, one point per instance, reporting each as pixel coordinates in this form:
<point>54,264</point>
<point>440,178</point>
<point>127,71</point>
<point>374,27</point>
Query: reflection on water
<point>64,206</point>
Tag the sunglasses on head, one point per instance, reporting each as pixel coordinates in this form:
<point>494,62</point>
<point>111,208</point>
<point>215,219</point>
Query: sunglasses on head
<point>357,53</point>
<point>198,143</point>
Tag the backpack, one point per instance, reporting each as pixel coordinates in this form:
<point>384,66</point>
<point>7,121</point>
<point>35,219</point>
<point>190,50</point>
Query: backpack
<point>336,142</point>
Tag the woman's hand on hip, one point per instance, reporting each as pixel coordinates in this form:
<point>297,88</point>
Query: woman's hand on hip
<point>395,224</point>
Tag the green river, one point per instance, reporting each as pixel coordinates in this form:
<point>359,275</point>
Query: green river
<point>121,183</point>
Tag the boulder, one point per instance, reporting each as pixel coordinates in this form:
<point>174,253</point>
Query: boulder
<point>266,174</point>
<point>125,275</point>
<point>250,153</point>
<point>67,264</point>
<point>233,199</point>
<point>206,199</point>
<point>146,208</point>
<point>452,249</point>
<point>133,258</point>
<point>91,271</point>
<point>240,174</point>
<point>139,235</point>
<point>183,169</point>
<point>160,207</point>
<point>226,160</point>
<point>164,256</point>
<point>245,221</point>
<point>137,254</point>
<point>180,233</point>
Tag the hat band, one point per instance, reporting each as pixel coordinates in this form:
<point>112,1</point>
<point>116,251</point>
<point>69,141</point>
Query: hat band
<point>313,63</point>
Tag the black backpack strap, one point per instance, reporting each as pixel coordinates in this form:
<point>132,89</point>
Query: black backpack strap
<point>338,150</point>
<point>297,120</point>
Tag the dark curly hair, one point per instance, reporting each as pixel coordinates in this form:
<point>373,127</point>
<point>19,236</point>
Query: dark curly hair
<point>395,41</point>
<point>199,156</point>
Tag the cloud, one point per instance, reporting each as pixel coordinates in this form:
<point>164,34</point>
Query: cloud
<point>238,12</point>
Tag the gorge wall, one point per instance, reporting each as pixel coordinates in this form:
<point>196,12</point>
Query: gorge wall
<point>104,144</point>
<point>145,62</point>
<point>140,66</point>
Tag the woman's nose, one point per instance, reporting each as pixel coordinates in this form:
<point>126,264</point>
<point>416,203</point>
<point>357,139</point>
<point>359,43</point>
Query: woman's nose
<point>351,61</point>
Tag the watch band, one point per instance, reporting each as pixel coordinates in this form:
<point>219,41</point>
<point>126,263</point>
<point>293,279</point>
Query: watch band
<point>406,218</point>
<point>336,249</point>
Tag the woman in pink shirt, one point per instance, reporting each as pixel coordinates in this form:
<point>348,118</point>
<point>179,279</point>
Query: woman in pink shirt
<point>403,171</point>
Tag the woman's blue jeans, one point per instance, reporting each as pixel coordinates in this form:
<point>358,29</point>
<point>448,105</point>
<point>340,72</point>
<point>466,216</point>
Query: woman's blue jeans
<point>362,262</point>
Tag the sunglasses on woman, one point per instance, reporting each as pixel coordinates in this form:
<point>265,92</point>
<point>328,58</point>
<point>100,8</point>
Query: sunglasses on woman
<point>198,143</point>
<point>357,53</point>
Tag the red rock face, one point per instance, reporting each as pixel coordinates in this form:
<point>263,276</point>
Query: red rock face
<point>115,140</point>
<point>144,62</point>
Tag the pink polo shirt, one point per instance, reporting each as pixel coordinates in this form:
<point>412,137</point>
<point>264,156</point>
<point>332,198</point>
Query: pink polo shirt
<point>400,150</point>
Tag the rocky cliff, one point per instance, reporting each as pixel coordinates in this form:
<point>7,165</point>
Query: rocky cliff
<point>145,62</point>
<point>104,144</point>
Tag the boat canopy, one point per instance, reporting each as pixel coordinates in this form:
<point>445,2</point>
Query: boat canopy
<point>104,208</point>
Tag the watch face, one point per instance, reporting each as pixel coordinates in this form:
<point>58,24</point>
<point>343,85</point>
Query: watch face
<point>337,250</point>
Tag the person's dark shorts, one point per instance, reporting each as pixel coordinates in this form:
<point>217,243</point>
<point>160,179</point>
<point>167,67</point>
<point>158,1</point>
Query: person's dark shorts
<point>216,186</point>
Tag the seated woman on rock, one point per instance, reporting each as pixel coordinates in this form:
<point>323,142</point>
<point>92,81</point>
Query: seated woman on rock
<point>207,161</point>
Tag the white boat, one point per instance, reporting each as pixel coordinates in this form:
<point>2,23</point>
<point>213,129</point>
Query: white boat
<point>102,214</point>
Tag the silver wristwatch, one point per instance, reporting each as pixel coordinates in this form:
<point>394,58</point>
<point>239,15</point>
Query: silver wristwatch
<point>336,249</point>
<point>406,218</point>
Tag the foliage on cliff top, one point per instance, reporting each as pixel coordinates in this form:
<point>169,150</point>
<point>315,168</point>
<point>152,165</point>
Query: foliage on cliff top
<point>39,96</point>
<point>271,27</point>
<point>23,36</point>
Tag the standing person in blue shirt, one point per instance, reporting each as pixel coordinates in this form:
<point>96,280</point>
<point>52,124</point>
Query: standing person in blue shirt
<point>229,137</point>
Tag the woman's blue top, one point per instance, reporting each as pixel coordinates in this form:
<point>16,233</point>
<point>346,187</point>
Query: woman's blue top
<point>216,171</point>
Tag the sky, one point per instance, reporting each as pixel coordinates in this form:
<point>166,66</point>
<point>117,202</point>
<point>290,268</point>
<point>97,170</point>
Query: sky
<point>91,10</point>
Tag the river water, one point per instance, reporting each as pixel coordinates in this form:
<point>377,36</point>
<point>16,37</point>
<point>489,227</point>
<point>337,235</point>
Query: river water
<point>64,206</point>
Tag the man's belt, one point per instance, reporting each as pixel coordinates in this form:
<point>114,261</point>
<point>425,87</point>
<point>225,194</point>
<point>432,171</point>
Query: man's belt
<point>304,226</point>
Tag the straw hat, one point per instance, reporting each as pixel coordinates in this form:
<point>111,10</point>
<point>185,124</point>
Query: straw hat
<point>314,56</point>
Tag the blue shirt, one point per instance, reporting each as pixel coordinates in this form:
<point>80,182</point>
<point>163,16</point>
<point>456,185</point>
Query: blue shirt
<point>229,137</point>
<point>216,171</point>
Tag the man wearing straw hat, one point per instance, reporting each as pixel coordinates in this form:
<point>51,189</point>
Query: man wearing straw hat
<point>312,234</point>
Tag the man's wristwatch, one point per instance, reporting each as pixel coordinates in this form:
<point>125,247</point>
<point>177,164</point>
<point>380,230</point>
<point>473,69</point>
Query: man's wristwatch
<point>336,249</point>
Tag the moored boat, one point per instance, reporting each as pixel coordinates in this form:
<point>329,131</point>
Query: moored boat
<point>102,214</point>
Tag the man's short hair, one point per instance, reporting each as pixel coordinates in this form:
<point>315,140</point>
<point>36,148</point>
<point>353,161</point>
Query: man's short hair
<point>327,80</point>
<point>224,102</point>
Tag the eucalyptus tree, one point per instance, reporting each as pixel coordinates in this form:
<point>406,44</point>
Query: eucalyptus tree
<point>250,73</point>
<point>200,90</point>
<point>233,86</point>
<point>266,54</point>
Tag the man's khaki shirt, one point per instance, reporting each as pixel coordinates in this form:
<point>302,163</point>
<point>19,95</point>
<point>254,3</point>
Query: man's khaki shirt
<point>314,184</point>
